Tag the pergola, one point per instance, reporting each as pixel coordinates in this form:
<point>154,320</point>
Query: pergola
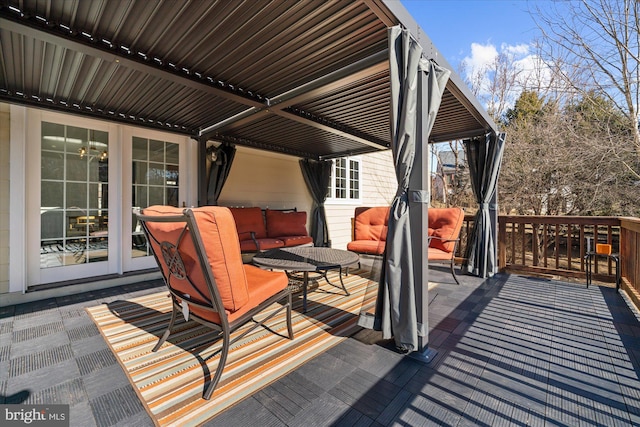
<point>305,78</point>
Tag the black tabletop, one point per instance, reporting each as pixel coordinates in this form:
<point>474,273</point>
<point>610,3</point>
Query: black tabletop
<point>305,258</point>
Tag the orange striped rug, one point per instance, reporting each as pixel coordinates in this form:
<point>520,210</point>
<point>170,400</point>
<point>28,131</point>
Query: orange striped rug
<point>170,382</point>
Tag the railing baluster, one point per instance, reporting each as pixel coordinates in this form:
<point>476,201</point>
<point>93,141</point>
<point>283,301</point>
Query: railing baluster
<point>582,249</point>
<point>557,243</point>
<point>595,242</point>
<point>534,243</point>
<point>569,244</point>
<point>522,238</point>
<point>513,243</point>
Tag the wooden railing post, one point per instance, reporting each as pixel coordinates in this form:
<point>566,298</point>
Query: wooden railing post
<point>502,243</point>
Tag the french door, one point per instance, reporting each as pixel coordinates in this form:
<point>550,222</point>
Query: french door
<point>82,200</point>
<point>153,177</point>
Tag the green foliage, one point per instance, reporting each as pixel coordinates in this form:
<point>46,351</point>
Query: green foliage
<point>529,107</point>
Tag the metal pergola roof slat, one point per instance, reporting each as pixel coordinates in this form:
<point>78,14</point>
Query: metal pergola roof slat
<point>305,78</point>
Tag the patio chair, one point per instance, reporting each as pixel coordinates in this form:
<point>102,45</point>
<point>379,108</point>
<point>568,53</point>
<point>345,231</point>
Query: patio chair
<point>198,253</point>
<point>444,234</point>
<point>369,231</point>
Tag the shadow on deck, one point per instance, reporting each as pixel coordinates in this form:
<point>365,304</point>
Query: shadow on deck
<point>512,350</point>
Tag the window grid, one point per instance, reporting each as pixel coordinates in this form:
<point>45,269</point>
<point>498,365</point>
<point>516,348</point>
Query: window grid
<point>155,179</point>
<point>344,182</point>
<point>74,195</point>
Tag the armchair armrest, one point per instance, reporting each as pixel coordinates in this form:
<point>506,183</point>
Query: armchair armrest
<point>252,236</point>
<point>443,240</point>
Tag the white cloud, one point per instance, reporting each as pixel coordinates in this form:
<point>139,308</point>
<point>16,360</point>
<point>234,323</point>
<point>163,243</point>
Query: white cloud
<point>482,56</point>
<point>480,69</point>
<point>518,50</point>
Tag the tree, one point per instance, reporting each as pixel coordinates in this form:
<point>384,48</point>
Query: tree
<point>567,160</point>
<point>532,179</point>
<point>598,43</point>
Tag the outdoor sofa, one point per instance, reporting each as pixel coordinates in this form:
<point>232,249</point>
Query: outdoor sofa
<point>260,230</point>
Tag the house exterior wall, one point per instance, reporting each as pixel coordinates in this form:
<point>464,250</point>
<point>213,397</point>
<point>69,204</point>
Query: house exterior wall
<point>257,178</point>
<point>268,180</point>
<point>4,197</point>
<point>378,186</point>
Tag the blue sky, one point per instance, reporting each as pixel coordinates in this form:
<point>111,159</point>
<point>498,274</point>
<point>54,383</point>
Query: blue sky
<point>454,25</point>
<point>475,31</point>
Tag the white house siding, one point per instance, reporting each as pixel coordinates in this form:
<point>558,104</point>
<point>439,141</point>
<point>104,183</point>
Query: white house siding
<point>378,186</point>
<point>257,178</point>
<point>4,197</point>
<point>264,179</point>
<point>268,180</point>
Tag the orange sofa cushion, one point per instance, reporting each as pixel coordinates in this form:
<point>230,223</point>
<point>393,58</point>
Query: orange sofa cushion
<point>371,223</point>
<point>281,223</point>
<point>296,240</point>
<point>220,239</point>
<point>249,220</point>
<point>265,244</point>
<point>445,223</point>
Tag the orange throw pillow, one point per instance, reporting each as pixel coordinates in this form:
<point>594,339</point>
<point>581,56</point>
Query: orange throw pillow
<point>280,224</point>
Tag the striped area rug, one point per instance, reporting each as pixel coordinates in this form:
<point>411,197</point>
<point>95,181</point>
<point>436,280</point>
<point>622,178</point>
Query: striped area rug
<point>170,382</point>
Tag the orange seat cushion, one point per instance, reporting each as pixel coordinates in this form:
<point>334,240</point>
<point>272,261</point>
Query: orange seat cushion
<point>445,223</point>
<point>263,284</point>
<point>439,255</point>
<point>280,224</point>
<point>296,240</point>
<point>249,220</point>
<point>222,248</point>
<point>370,247</point>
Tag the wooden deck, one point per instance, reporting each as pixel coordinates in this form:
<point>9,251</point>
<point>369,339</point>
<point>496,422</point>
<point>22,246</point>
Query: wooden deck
<point>512,350</point>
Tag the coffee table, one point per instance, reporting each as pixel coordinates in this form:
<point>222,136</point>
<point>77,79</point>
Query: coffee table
<point>307,259</point>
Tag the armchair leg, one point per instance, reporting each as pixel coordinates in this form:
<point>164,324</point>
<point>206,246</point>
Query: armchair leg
<point>453,272</point>
<point>289,325</point>
<point>223,359</point>
<point>174,315</point>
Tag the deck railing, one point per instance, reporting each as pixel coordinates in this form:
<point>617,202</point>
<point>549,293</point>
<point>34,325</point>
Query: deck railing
<point>630,255</point>
<point>556,245</point>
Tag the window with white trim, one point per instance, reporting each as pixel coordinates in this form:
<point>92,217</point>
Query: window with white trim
<point>344,184</point>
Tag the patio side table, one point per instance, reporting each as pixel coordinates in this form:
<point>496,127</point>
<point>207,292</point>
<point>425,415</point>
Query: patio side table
<point>307,259</point>
<point>591,256</point>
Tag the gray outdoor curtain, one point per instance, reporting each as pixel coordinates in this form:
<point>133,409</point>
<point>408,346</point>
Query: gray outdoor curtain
<point>219,171</point>
<point>317,175</point>
<point>396,311</point>
<point>485,157</point>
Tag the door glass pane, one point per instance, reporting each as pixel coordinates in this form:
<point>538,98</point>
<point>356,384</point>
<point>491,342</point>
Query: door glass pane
<point>156,196</point>
<point>74,193</point>
<point>53,137</point>
<point>156,151</point>
<point>172,153</point>
<point>155,176</point>
<point>140,172</point>
<point>52,166</point>
<point>139,149</point>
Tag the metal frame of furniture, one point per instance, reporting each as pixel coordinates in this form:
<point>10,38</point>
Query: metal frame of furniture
<point>173,248</point>
<point>590,256</point>
<point>307,259</point>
